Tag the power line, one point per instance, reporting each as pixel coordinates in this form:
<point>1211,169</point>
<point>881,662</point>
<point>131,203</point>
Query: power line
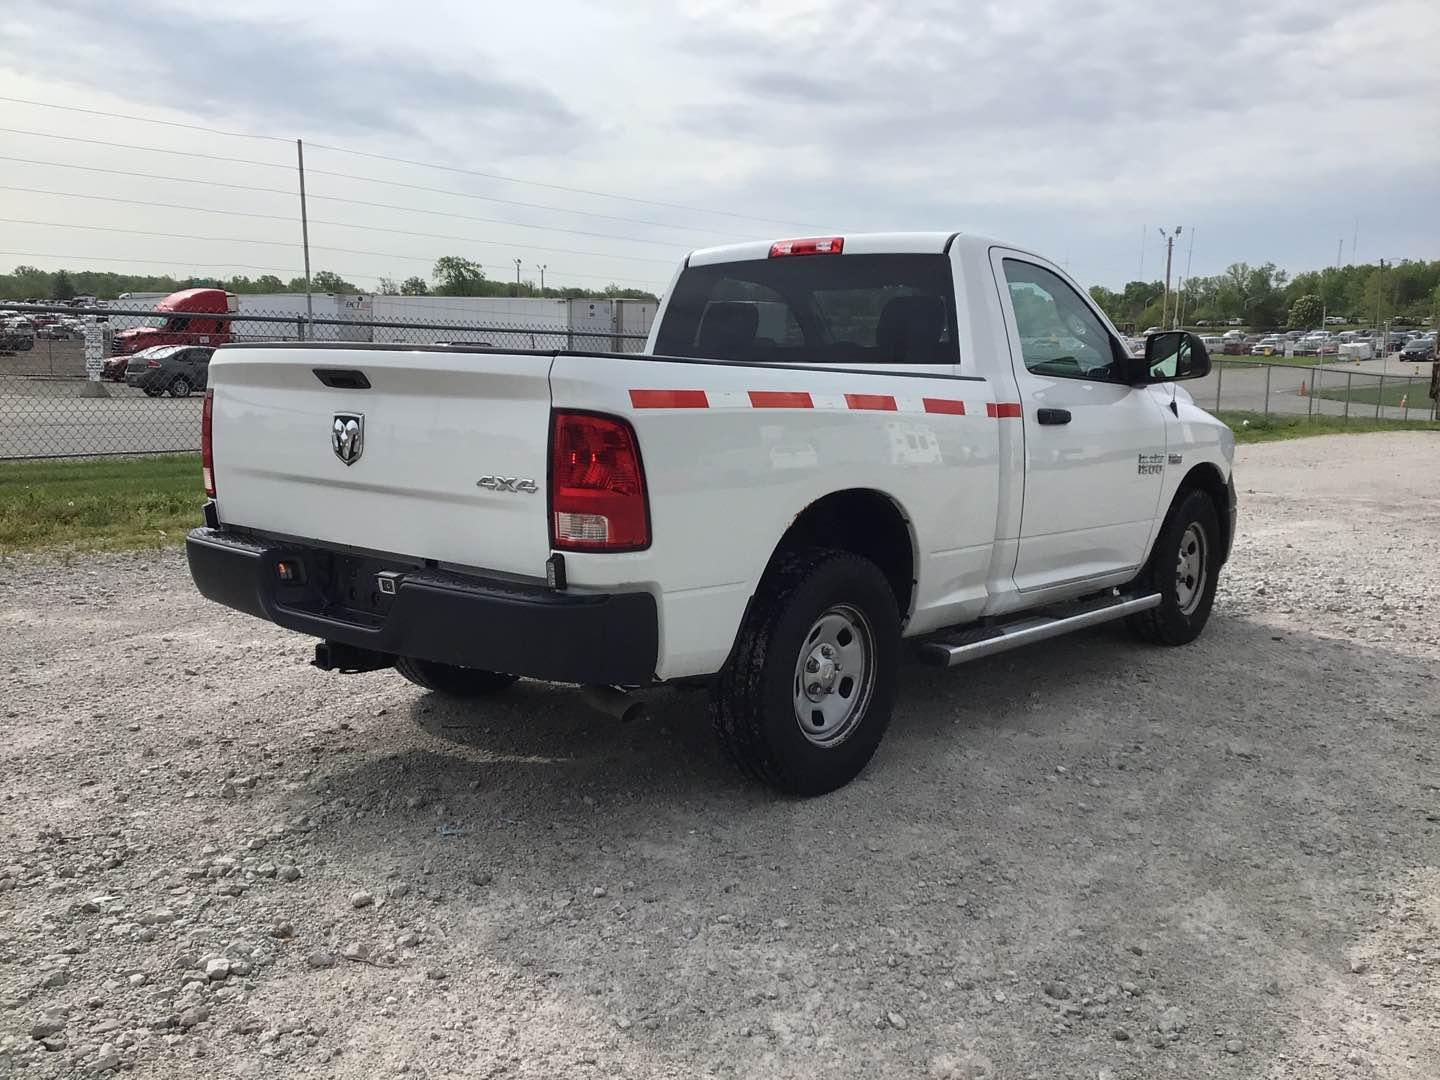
<point>562,187</point>
<point>285,244</point>
<point>337,224</point>
<point>359,179</point>
<point>423,164</point>
<point>341,199</point>
<point>143,119</point>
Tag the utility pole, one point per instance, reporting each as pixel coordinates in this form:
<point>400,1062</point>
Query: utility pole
<point>305,240</point>
<point>1169,251</point>
<point>1379,294</point>
<point>517,277</point>
<point>542,268</point>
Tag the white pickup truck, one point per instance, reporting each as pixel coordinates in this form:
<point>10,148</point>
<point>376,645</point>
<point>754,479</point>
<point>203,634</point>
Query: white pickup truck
<point>829,446</point>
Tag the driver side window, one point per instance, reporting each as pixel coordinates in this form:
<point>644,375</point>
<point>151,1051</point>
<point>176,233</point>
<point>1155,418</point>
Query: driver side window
<point>1059,334</point>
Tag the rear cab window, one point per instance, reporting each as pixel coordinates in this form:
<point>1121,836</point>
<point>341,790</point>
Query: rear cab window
<point>865,310</point>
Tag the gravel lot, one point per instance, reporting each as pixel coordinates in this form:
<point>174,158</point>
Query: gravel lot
<point>1090,859</point>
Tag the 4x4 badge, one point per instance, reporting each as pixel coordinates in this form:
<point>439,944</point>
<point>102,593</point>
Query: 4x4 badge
<point>517,484</point>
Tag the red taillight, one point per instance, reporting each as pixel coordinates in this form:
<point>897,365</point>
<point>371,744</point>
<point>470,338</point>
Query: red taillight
<point>597,485</point>
<point>207,453</point>
<point>152,363</point>
<point>815,245</point>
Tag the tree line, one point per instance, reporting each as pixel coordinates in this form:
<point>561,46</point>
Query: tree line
<point>1267,297</point>
<point>452,275</point>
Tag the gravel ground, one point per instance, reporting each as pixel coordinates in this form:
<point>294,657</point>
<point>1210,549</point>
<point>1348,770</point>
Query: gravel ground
<point>1090,859</point>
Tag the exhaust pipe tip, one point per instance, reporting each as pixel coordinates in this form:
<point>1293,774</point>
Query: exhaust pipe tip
<point>619,704</point>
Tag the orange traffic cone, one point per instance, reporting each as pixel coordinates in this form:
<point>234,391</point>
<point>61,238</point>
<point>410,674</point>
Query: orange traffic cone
<point>1402,400</point>
<point>1302,387</point>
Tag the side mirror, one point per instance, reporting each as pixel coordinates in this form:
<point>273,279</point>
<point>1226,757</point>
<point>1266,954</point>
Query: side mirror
<point>1173,355</point>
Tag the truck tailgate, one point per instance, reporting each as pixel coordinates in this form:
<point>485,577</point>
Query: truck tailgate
<point>431,425</point>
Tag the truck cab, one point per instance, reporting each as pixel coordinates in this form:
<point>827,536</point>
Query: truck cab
<point>190,317</point>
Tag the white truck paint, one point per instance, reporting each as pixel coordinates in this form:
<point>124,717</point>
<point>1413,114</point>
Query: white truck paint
<point>980,413</point>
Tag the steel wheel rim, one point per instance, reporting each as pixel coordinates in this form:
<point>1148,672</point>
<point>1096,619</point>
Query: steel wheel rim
<point>834,675</point>
<point>1191,569</point>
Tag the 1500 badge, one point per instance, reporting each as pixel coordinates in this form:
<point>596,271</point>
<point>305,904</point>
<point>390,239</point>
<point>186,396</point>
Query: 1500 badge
<point>1151,464</point>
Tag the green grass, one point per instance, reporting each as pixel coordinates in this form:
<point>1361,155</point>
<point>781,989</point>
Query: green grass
<point>1254,427</point>
<point>1416,393</point>
<point>103,504</point>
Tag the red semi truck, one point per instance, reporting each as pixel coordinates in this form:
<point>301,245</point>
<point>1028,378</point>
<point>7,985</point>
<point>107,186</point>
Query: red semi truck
<point>191,317</point>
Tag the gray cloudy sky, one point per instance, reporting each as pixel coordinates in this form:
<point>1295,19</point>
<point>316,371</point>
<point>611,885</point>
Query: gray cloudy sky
<point>1069,126</point>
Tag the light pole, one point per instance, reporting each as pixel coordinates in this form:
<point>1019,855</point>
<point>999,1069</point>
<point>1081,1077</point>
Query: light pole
<point>517,277</point>
<point>1169,251</point>
<point>542,267</point>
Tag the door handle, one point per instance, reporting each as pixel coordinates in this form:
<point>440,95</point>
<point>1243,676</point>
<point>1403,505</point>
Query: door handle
<point>1053,416</point>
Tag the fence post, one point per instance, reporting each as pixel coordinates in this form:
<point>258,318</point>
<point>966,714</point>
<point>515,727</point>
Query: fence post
<point>1349,382</point>
<point>1219,382</point>
<point>1268,369</point>
<point>299,327</point>
<point>1405,398</point>
<point>1380,397</point>
<point>1314,386</point>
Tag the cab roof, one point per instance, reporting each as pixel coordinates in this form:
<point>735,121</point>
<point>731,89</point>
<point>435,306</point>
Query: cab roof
<point>875,243</point>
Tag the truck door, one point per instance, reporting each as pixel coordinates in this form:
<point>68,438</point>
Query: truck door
<point>1095,447</point>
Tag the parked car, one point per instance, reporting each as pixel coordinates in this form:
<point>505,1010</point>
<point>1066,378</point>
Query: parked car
<point>1235,347</point>
<point>1419,350</point>
<point>177,370</point>
<point>776,520</point>
<point>16,336</point>
<point>1269,345</point>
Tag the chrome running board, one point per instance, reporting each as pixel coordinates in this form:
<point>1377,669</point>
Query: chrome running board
<point>988,641</point>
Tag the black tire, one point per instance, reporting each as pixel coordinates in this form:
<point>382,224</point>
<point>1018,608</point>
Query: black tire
<point>453,681</point>
<point>754,698</point>
<point>1180,619</point>
<point>180,386</point>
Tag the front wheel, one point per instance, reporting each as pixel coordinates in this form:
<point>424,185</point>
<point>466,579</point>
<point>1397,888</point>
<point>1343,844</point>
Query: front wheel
<point>451,680</point>
<point>1184,569</point>
<point>180,387</point>
<point>807,693</point>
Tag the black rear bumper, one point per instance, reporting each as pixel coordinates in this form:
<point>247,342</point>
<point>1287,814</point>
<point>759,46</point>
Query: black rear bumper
<point>432,614</point>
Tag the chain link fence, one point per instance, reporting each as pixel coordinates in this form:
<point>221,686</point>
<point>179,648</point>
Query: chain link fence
<point>1390,389</point>
<point>140,391</point>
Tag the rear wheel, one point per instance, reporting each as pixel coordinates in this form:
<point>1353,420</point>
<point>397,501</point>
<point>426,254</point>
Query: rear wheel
<point>1184,569</point>
<point>180,386</point>
<point>807,694</point>
<point>452,680</point>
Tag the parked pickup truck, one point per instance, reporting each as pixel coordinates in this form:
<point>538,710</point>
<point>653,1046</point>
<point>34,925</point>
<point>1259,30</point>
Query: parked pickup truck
<point>830,447</point>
